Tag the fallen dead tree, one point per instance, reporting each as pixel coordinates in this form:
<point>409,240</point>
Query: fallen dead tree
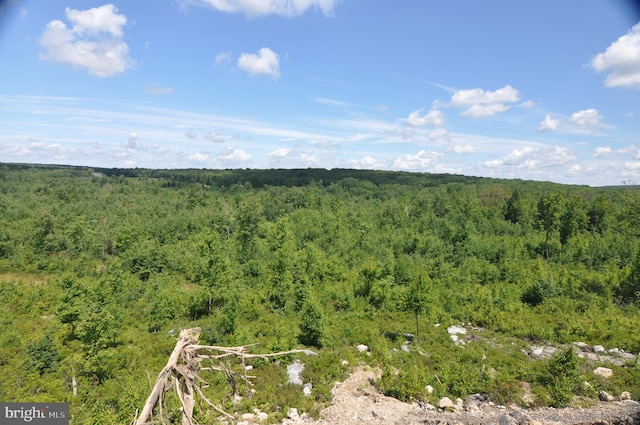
<point>182,374</point>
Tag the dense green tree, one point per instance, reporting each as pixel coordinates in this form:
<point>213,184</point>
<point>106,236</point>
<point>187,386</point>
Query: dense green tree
<point>313,324</point>
<point>43,354</point>
<point>513,209</point>
<point>629,289</point>
<point>71,304</point>
<point>550,209</point>
<point>418,299</point>
<point>574,218</point>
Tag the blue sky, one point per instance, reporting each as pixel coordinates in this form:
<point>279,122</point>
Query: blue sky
<point>542,90</point>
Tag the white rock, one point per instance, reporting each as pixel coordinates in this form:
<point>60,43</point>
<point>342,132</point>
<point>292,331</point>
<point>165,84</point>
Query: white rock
<point>626,395</point>
<point>603,371</point>
<point>430,407</point>
<point>456,330</point>
<point>242,423</point>
<point>405,348</point>
<point>429,389</point>
<point>306,390</point>
<point>445,402</point>
<point>344,362</point>
<point>454,338</point>
<point>293,414</point>
<point>362,348</point>
<point>598,348</point>
<point>605,396</point>
<point>294,370</point>
<point>262,416</point>
<point>248,367</point>
<point>248,417</point>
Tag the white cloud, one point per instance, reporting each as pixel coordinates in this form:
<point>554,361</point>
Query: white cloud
<point>527,104</point>
<point>255,8</point>
<point>549,124</point>
<point>367,163</point>
<point>280,153</point>
<point>480,103</point>
<point>223,58</point>
<point>479,110</point>
<point>587,121</point>
<point>602,151</point>
<point>331,102</point>
<point>233,154</point>
<point>462,149</point>
<point>606,151</point>
<point>198,157</point>
<point>133,141</point>
<point>216,137</point>
<point>420,161</point>
<point>439,134</point>
<point>621,60</point>
<point>266,62</point>
<point>586,118</point>
<point>433,118</point>
<point>531,158</point>
<point>191,134</point>
<point>94,42</point>
<point>158,89</point>
<point>400,134</point>
<point>574,169</point>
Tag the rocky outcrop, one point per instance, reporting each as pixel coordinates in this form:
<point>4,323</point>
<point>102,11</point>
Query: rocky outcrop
<point>357,402</point>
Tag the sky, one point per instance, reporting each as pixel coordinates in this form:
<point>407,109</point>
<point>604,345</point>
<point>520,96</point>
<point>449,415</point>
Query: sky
<point>546,90</point>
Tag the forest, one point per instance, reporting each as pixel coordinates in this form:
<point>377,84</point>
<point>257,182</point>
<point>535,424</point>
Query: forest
<point>100,269</point>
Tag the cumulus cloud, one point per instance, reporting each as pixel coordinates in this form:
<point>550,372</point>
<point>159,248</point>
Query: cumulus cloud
<point>420,161</point>
<point>93,42</point>
<point>606,151</point>
<point>255,8</point>
<point>433,118</point>
<point>233,155</point>
<point>549,124</point>
<point>366,163</point>
<point>191,134</point>
<point>280,153</point>
<point>482,103</point>
<point>266,62</point>
<point>603,151</point>
<point>532,158</point>
<point>586,121</point>
<point>621,60</point>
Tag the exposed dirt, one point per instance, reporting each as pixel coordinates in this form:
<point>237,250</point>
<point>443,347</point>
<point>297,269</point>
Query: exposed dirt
<point>357,401</point>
